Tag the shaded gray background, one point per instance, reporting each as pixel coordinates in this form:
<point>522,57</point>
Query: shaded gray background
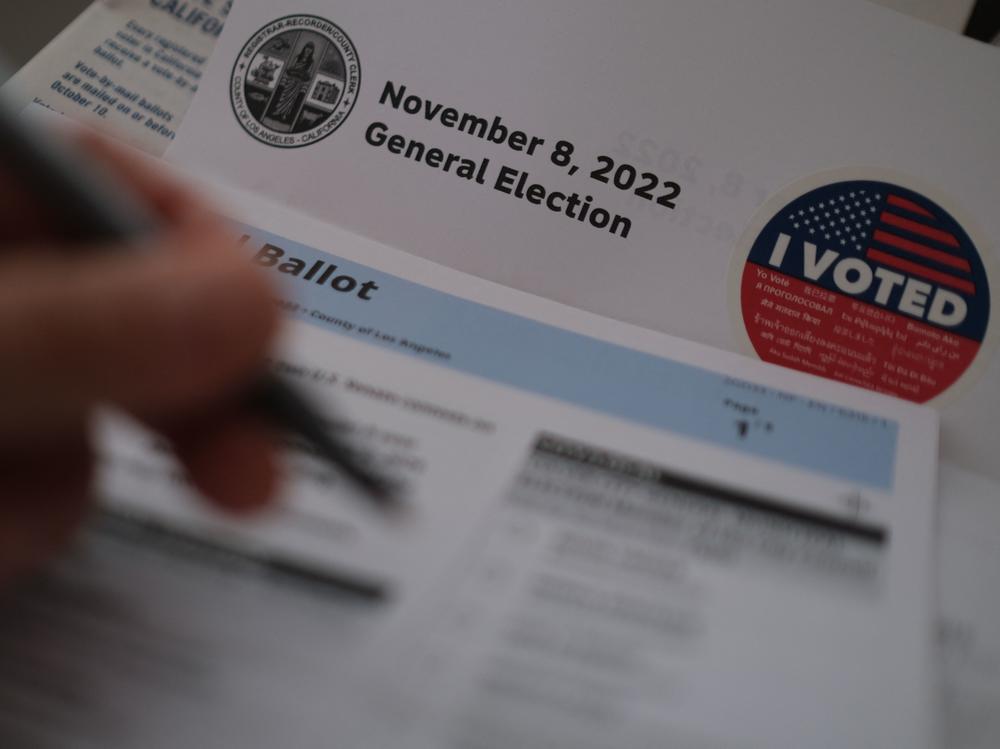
<point>27,25</point>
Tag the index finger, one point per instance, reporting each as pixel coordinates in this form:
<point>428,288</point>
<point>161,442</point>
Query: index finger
<point>173,200</point>
<point>26,216</point>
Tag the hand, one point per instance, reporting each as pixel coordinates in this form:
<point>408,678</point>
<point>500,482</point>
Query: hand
<point>171,336</point>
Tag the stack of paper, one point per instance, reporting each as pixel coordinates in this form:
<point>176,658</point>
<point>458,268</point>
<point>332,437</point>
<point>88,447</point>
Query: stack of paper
<point>518,219</point>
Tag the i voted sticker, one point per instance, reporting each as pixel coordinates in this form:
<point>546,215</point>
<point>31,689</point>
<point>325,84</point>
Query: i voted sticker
<point>865,281</point>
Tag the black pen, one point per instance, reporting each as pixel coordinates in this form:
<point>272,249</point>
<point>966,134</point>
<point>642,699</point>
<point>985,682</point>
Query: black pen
<point>94,207</point>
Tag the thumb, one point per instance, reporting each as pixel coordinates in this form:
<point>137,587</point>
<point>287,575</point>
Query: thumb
<point>161,333</point>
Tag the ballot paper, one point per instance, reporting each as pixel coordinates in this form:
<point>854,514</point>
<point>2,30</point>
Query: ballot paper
<point>129,67</point>
<point>616,545</point>
<point>144,639</point>
<point>616,532</point>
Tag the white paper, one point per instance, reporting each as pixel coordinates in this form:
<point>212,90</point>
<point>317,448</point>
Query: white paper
<point>55,78</point>
<point>949,14</point>
<point>730,102</point>
<point>733,102</point>
<point>425,367</point>
<point>970,631</point>
<point>341,536</point>
<point>730,605</point>
<point>138,639</point>
<point>128,67</point>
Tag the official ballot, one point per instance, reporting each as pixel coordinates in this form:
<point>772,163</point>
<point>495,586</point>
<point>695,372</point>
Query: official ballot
<point>616,537</point>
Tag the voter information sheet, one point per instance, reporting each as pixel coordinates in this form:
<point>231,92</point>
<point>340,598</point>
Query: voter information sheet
<point>616,536</point>
<point>128,67</point>
<point>661,164</point>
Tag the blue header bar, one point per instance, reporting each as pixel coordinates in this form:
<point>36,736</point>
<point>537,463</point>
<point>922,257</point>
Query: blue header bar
<point>472,338</point>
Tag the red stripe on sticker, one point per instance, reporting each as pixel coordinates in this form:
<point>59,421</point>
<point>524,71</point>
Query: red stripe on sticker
<point>917,228</point>
<point>938,256</point>
<point>919,270</point>
<point>908,205</point>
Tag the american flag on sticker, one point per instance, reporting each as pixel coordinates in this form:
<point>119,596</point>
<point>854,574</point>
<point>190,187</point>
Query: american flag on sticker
<point>868,282</point>
<point>890,230</point>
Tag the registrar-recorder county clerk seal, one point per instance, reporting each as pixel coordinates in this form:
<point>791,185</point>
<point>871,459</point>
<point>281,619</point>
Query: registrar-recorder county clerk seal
<point>295,81</point>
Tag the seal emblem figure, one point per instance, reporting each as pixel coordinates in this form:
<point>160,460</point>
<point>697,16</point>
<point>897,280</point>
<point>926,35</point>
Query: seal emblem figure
<point>295,81</point>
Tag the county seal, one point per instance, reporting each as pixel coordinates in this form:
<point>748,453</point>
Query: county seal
<point>295,81</point>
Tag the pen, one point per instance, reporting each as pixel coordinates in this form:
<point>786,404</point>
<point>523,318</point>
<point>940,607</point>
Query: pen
<point>95,207</point>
